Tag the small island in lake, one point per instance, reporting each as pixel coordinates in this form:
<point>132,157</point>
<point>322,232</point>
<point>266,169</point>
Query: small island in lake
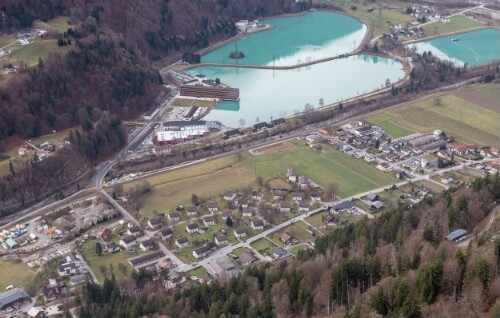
<point>236,55</point>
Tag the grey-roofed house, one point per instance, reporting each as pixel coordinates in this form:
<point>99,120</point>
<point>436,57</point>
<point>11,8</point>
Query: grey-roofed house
<point>247,212</point>
<point>192,228</point>
<point>304,206</point>
<point>372,197</point>
<point>213,207</point>
<point>297,196</point>
<point>257,195</point>
<point>376,206</point>
<point>147,245</point>
<point>344,205</point>
<point>221,239</point>
<point>182,242</point>
<point>135,231</point>
<point>316,197</point>
<point>154,223</point>
<point>68,269</point>
<point>209,220</point>
<point>239,233</point>
<point>191,211</point>
<point>174,216</point>
<point>258,224</point>
<point>279,252</point>
<point>292,175</point>
<point>12,296</point>
<point>166,233</point>
<point>285,207</point>
<point>205,250</point>
<point>128,241</point>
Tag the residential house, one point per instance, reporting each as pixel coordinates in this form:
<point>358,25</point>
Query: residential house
<point>288,239</point>
<point>192,228</point>
<point>292,175</point>
<point>278,195</point>
<point>147,245</point>
<point>316,197</point>
<point>285,207</point>
<point>205,250</point>
<point>257,195</point>
<point>376,206</point>
<point>343,206</point>
<point>304,206</point>
<point>372,197</point>
<point>182,242</point>
<point>413,198</point>
<point>460,150</point>
<point>303,182</point>
<point>259,126</point>
<point>331,220</point>
<point>221,239</point>
<point>128,241</point>
<point>239,233</point>
<point>112,248</point>
<point>247,212</point>
<point>135,231</point>
<point>213,207</point>
<point>191,211</point>
<point>227,214</point>
<point>279,252</point>
<point>258,224</point>
<point>247,258</point>
<point>209,220</point>
<point>230,196</point>
<point>51,290</point>
<point>105,234</point>
<point>174,217</point>
<point>68,269</point>
<point>447,180</point>
<point>77,280</point>
<point>298,196</point>
<point>154,223</point>
<point>166,233</point>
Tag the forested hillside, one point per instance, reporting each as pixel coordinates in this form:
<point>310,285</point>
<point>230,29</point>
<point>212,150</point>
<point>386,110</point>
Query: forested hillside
<point>106,77</point>
<point>397,265</point>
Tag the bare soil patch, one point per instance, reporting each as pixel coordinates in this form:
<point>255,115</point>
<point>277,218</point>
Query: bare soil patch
<point>481,98</point>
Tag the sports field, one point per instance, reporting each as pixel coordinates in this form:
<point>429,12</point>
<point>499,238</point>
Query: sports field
<point>471,115</point>
<point>351,176</point>
<point>457,23</point>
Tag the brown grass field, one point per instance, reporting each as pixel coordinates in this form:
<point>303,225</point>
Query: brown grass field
<point>278,147</point>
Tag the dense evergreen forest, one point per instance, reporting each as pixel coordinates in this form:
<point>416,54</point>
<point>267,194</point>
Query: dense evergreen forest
<point>106,77</point>
<point>397,265</point>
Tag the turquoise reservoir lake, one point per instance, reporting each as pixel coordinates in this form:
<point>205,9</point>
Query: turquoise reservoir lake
<point>294,40</point>
<point>266,93</point>
<point>473,48</point>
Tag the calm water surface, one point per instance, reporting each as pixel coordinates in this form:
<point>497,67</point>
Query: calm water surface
<point>473,48</point>
<point>271,93</point>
